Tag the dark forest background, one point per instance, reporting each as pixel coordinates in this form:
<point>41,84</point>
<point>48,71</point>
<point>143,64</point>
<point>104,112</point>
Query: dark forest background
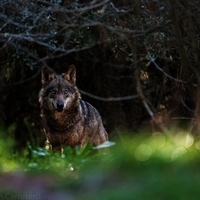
<point>137,61</point>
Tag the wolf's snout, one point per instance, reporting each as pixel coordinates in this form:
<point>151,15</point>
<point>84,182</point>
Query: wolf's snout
<point>60,105</point>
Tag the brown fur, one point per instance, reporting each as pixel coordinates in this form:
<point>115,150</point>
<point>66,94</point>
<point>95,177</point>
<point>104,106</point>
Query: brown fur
<point>67,119</point>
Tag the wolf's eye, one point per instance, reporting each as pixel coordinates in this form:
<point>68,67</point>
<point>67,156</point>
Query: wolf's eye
<point>66,92</point>
<point>53,91</point>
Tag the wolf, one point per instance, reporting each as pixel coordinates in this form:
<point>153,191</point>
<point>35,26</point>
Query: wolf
<point>67,119</point>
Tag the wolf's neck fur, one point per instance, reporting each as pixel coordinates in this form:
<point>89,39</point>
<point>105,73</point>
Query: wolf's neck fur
<point>59,121</point>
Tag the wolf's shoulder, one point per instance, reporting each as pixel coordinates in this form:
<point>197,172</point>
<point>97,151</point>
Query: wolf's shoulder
<point>87,106</point>
<point>89,110</point>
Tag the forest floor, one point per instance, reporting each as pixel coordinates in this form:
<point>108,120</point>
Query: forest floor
<point>156,166</point>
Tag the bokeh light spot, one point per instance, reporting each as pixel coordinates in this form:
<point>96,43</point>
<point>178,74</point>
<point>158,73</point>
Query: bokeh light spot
<point>143,152</point>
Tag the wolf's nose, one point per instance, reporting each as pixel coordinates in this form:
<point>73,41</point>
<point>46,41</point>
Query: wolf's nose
<point>60,105</point>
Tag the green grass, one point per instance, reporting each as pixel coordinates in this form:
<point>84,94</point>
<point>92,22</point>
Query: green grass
<point>145,166</point>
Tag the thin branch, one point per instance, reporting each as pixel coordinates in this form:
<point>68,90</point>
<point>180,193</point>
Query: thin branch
<point>144,100</point>
<point>57,7</point>
<point>152,58</point>
<point>184,104</point>
<point>109,98</point>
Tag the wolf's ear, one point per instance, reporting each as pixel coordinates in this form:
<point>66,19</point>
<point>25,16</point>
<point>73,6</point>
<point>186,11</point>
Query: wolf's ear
<point>70,75</point>
<point>47,76</point>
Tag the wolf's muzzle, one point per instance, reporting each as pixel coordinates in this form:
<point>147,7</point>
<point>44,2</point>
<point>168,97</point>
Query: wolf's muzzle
<point>59,106</point>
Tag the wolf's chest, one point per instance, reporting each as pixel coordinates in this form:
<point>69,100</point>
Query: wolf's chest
<point>70,137</point>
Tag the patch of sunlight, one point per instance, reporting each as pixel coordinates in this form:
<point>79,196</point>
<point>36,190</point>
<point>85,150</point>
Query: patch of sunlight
<point>157,140</point>
<point>189,140</point>
<point>71,168</point>
<point>179,151</point>
<point>33,165</point>
<point>184,139</point>
<point>40,152</point>
<point>104,145</point>
<point>8,166</point>
<point>62,155</point>
<point>166,152</point>
<point>197,145</point>
<point>143,152</point>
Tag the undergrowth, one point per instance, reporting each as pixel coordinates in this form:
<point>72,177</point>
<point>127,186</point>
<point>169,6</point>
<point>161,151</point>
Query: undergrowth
<point>156,166</point>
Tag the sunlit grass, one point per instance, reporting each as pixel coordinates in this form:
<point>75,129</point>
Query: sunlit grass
<point>170,147</point>
<point>155,166</point>
<point>167,147</point>
<point>7,156</point>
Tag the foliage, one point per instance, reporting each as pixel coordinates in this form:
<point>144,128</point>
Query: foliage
<point>156,166</point>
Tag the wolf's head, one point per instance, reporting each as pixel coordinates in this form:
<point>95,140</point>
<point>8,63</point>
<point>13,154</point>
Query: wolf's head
<point>59,92</point>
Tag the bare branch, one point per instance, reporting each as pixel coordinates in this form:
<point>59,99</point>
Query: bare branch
<point>108,98</point>
<point>160,69</point>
